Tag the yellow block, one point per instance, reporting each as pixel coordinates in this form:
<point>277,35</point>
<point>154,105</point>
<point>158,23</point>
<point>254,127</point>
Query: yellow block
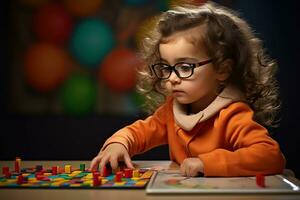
<point>68,169</point>
<point>32,179</point>
<point>56,184</point>
<point>120,183</point>
<point>75,185</point>
<point>2,184</point>
<point>135,179</point>
<point>11,180</point>
<point>104,180</point>
<point>72,175</point>
<point>88,182</point>
<point>58,179</point>
<point>25,174</point>
<point>135,173</point>
<point>147,174</point>
<point>89,176</point>
<point>47,174</point>
<point>141,183</point>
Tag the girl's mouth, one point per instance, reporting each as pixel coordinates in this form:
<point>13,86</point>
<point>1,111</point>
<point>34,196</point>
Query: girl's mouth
<point>177,93</point>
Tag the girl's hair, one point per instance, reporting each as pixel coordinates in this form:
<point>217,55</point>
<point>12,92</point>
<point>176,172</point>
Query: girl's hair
<point>226,36</point>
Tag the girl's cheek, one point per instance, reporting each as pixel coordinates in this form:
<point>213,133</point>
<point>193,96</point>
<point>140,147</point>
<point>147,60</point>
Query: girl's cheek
<point>167,86</point>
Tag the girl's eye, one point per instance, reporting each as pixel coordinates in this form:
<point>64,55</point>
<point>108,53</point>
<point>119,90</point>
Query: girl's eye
<point>184,67</point>
<point>164,68</point>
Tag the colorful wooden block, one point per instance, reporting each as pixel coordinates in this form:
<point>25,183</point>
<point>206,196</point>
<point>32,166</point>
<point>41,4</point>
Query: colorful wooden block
<point>260,180</point>
<point>128,173</point>
<point>68,169</point>
<point>54,170</point>
<point>5,170</point>
<point>82,167</point>
<point>18,165</point>
<point>136,173</point>
<point>118,176</point>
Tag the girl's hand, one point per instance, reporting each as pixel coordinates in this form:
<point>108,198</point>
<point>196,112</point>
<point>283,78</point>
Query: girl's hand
<point>112,153</point>
<point>191,167</point>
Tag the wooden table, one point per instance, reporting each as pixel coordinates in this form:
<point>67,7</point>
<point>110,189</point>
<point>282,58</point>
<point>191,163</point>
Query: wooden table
<point>118,194</point>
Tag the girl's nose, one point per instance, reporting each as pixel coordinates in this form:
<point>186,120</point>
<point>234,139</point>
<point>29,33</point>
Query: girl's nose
<point>174,79</point>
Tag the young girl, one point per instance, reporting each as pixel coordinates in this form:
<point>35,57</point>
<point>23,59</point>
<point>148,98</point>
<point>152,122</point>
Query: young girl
<point>218,91</point>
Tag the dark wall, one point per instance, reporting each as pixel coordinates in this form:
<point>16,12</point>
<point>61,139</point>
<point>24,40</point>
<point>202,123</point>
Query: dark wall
<point>277,24</point>
<point>61,138</point>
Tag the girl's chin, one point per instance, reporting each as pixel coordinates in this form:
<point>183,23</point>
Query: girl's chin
<point>182,100</point>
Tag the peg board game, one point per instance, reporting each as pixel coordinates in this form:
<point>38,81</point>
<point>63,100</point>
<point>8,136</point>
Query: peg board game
<point>66,177</point>
<point>166,182</point>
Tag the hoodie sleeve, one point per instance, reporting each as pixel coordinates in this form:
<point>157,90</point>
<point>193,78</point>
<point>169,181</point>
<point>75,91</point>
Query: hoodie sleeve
<point>252,150</point>
<point>143,135</point>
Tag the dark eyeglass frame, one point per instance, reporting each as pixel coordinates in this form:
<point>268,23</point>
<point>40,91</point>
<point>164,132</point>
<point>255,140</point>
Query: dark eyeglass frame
<point>172,68</point>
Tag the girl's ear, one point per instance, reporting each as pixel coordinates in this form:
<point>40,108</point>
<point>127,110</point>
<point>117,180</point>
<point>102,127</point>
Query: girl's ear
<point>225,69</point>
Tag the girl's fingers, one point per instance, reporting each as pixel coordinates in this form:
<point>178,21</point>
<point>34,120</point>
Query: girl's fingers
<point>182,169</point>
<point>113,163</point>
<point>103,162</point>
<point>95,163</point>
<point>187,172</point>
<point>128,162</point>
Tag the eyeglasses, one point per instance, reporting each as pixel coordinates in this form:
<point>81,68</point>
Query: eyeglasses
<point>181,69</point>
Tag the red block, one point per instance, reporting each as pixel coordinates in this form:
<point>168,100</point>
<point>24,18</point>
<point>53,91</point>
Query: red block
<point>61,170</point>
<point>8,175</point>
<point>260,180</point>
<point>5,170</point>
<point>39,177</point>
<point>96,174</point>
<point>118,177</point>
<point>45,178</point>
<point>38,174</point>
<point>17,166</point>
<point>20,179</point>
<point>97,181</point>
<point>54,170</point>
<point>128,173</point>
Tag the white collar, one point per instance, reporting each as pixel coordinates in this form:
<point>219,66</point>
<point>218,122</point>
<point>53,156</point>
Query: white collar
<point>229,95</point>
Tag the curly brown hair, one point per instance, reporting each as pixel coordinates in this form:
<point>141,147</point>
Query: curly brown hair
<point>227,36</point>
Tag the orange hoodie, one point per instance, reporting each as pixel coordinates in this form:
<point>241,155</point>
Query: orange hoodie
<point>224,136</point>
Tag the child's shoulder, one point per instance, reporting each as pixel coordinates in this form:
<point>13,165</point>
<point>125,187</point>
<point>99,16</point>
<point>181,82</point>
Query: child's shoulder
<point>238,116</point>
<point>165,106</point>
<point>238,109</point>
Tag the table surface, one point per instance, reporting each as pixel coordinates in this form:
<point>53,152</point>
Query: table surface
<point>124,194</point>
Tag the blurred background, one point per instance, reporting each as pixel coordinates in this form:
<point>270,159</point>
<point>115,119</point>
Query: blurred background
<point>68,72</point>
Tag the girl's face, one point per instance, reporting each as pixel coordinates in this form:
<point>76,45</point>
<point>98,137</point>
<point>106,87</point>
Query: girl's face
<point>200,89</point>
